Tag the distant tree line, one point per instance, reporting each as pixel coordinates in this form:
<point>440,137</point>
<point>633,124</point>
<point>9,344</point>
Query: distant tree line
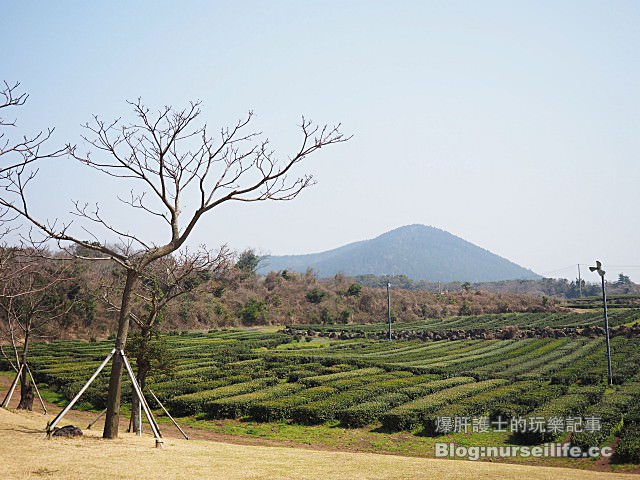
<point>554,287</point>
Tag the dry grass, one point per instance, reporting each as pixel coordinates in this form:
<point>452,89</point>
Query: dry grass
<point>24,456</point>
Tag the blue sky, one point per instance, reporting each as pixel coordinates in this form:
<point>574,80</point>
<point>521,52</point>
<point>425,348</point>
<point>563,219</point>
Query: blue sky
<point>510,124</point>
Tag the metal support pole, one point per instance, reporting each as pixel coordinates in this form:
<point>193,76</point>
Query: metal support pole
<point>606,327</point>
<point>139,419</point>
<point>96,419</point>
<point>168,414</point>
<point>12,388</point>
<point>82,390</point>
<point>389,307</point>
<point>147,410</point>
<point>33,380</point>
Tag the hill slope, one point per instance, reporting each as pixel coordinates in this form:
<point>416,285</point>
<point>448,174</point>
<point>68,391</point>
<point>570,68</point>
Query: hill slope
<point>417,251</point>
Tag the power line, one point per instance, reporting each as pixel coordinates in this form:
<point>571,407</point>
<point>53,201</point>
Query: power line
<point>573,266</point>
<point>568,267</point>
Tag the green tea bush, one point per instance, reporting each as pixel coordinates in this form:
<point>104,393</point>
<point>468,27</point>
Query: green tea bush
<point>410,415</point>
<point>434,385</point>
<point>628,450</point>
<point>573,404</point>
<point>193,403</point>
<point>239,405</point>
<point>320,380</point>
<point>369,412</point>
<point>281,408</point>
<point>489,403</point>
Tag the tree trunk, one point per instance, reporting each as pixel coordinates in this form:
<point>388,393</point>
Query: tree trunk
<point>112,419</point>
<point>26,387</point>
<point>26,391</point>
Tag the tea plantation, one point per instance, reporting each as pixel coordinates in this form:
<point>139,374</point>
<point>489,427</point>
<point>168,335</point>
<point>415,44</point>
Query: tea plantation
<point>367,382</point>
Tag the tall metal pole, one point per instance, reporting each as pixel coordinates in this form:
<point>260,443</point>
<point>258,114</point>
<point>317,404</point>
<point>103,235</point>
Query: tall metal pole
<point>606,327</point>
<point>389,307</point>
<point>579,281</point>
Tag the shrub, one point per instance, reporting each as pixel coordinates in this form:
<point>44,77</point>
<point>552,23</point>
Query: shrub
<point>354,290</point>
<point>368,412</point>
<point>318,380</point>
<point>280,408</point>
<point>379,380</point>
<point>538,396</point>
<point>321,411</point>
<point>193,403</point>
<point>362,389</point>
<point>239,405</point>
<point>345,316</point>
<point>254,312</point>
<point>508,410</point>
<point>491,403</point>
<point>572,404</point>
<point>434,385</point>
<point>410,415</point>
<point>184,385</point>
<point>315,296</point>
<point>628,450</point>
<point>593,392</point>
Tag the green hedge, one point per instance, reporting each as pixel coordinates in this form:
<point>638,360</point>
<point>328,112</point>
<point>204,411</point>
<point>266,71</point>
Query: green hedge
<point>486,403</point>
<point>570,405</point>
<point>173,388</point>
<point>239,405</point>
<point>434,385</point>
<point>193,403</point>
<point>320,380</point>
<point>369,412</point>
<point>593,392</point>
<point>280,408</point>
<point>321,411</point>
<point>410,415</point>
<point>628,450</point>
<point>332,407</point>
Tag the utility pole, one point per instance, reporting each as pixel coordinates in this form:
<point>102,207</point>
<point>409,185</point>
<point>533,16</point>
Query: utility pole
<point>606,319</point>
<point>389,307</point>
<point>579,282</point>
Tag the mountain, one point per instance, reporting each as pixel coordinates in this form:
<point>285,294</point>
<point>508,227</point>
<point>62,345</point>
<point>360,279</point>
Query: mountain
<point>417,251</point>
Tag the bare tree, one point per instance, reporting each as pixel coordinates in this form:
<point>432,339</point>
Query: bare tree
<point>31,297</point>
<point>168,157</point>
<point>162,283</point>
<point>17,153</point>
<point>28,148</point>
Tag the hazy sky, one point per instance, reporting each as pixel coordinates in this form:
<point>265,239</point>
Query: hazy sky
<point>512,124</point>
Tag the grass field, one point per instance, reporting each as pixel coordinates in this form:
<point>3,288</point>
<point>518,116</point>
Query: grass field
<point>24,456</point>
